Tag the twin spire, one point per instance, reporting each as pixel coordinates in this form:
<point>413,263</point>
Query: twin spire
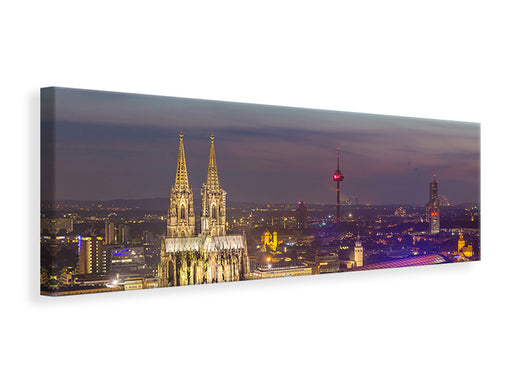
<point>181,182</point>
<point>212,178</point>
<point>181,219</point>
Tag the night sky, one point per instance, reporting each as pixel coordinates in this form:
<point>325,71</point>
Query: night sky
<point>125,146</point>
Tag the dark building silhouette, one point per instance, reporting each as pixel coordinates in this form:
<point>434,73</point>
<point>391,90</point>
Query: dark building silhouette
<point>302,216</point>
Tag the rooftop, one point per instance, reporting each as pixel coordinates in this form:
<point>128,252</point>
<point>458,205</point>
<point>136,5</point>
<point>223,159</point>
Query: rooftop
<point>406,262</point>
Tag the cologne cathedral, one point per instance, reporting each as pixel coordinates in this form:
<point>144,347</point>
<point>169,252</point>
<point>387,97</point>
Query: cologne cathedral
<point>210,256</point>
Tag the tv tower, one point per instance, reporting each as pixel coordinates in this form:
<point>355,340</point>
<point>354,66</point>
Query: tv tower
<point>338,177</point>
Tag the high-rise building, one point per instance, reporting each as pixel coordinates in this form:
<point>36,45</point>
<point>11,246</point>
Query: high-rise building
<point>123,236</point>
<point>91,258</point>
<point>213,210</point>
<point>211,256</point>
<point>432,207</point>
<point>181,220</point>
<point>110,233</point>
<point>302,216</point>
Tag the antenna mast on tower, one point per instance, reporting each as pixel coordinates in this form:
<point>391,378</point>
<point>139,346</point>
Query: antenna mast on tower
<point>338,178</point>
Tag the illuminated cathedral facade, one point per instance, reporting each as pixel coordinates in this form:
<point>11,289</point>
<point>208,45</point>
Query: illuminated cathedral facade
<point>209,256</point>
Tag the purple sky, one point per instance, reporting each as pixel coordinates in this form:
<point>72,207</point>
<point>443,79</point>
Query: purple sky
<point>124,146</point>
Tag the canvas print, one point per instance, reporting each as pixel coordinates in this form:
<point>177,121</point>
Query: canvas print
<point>141,191</point>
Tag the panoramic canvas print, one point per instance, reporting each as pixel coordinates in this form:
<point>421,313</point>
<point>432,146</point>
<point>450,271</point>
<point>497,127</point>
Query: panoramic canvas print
<point>141,191</point>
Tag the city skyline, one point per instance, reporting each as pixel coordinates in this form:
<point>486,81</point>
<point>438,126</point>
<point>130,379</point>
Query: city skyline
<point>254,154</point>
<point>267,153</point>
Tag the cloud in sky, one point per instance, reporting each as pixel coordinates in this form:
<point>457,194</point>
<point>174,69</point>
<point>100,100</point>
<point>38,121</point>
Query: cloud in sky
<point>116,145</point>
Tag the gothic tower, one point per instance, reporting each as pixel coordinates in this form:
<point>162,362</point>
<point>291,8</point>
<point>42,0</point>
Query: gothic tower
<point>180,217</point>
<point>213,210</point>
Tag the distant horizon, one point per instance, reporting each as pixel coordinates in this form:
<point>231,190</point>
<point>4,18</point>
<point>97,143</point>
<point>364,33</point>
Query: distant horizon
<point>254,202</point>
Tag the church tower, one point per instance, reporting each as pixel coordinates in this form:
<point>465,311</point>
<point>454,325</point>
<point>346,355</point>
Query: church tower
<point>358,252</point>
<point>461,242</point>
<point>180,217</point>
<point>213,210</point>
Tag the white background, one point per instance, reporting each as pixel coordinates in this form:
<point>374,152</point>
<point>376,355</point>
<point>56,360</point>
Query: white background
<point>437,59</point>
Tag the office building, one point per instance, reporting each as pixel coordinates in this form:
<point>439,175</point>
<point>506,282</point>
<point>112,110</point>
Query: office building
<point>110,233</point>
<point>302,216</point>
<point>432,207</point>
<point>90,255</point>
<point>123,236</point>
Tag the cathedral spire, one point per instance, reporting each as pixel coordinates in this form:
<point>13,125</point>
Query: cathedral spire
<point>213,211</point>
<point>180,216</point>
<point>181,182</point>
<point>212,178</point>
